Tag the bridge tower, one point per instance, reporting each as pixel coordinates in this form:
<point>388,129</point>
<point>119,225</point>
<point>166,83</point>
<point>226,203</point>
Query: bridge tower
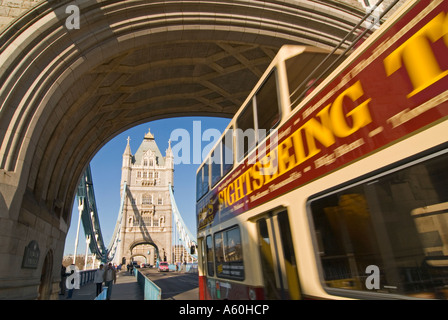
<point>146,226</point>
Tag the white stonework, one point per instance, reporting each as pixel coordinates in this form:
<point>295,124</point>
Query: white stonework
<point>147,214</point>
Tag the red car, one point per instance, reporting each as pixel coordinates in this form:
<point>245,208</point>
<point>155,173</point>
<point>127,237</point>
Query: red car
<point>163,266</point>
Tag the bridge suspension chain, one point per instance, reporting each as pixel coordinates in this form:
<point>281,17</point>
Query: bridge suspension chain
<point>91,222</point>
<point>89,215</point>
<point>112,248</point>
<point>187,239</point>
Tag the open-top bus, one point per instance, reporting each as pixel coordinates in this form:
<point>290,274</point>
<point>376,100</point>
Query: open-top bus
<point>341,191</point>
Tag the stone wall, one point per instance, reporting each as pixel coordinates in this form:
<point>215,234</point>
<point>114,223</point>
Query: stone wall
<point>11,9</point>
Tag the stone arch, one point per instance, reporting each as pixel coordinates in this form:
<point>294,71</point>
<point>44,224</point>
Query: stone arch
<point>46,279</point>
<point>53,121</point>
<point>143,242</point>
<point>65,93</point>
<point>139,255</point>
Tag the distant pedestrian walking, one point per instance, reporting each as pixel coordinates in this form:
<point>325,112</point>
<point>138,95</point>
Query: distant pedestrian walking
<point>110,278</point>
<point>62,282</point>
<point>99,278</point>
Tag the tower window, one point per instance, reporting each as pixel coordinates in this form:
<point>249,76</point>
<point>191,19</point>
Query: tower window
<point>147,199</point>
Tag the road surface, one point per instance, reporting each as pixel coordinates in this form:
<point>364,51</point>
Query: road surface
<point>174,285</point>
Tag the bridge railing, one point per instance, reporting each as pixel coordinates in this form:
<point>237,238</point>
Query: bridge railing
<point>189,267</point>
<point>102,295</point>
<point>86,276</point>
<point>150,290</point>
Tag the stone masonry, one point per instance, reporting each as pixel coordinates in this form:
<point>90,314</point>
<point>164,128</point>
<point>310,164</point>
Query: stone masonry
<point>146,230</point>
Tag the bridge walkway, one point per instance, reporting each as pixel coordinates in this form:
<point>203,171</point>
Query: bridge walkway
<point>126,288</point>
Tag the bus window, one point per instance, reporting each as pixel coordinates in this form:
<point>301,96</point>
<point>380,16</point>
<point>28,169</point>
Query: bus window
<point>300,67</point>
<point>222,164</point>
<point>229,254</point>
<point>245,133</point>
<point>278,263</point>
<point>216,161</point>
<point>202,183</point>
<point>205,181</point>
<point>267,262</point>
<point>227,151</point>
<point>209,250</point>
<point>267,116</point>
<point>267,105</point>
<point>395,224</point>
<point>199,185</point>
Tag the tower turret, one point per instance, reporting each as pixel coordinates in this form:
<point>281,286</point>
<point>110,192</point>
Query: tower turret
<point>127,163</point>
<point>169,161</point>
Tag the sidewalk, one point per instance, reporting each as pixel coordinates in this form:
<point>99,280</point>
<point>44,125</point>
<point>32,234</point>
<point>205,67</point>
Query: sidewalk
<point>126,288</point>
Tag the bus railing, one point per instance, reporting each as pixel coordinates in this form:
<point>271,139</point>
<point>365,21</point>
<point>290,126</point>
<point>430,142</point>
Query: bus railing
<point>150,290</point>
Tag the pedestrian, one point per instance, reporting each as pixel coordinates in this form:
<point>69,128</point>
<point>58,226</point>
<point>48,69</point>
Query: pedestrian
<point>110,278</point>
<point>99,278</point>
<point>62,283</point>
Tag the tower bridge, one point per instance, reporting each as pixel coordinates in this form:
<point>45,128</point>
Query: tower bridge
<point>148,216</point>
<point>72,80</point>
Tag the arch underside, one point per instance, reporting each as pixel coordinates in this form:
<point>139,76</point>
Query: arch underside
<point>65,93</point>
<point>143,242</point>
<point>157,252</point>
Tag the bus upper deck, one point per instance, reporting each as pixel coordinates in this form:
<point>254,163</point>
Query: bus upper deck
<point>320,164</point>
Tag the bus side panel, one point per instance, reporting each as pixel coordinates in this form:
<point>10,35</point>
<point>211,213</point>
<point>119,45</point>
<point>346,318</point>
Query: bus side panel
<point>216,289</point>
<point>204,294</point>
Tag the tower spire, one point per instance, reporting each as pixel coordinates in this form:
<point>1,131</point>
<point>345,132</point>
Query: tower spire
<point>149,135</point>
<point>127,151</point>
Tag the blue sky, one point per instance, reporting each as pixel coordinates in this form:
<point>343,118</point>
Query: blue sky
<point>106,172</point>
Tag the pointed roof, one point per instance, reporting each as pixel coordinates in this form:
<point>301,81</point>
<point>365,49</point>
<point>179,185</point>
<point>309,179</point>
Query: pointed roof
<point>150,144</point>
<point>169,151</point>
<point>149,135</point>
<point>127,151</point>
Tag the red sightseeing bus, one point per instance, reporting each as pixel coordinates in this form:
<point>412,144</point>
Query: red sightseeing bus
<point>338,192</point>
